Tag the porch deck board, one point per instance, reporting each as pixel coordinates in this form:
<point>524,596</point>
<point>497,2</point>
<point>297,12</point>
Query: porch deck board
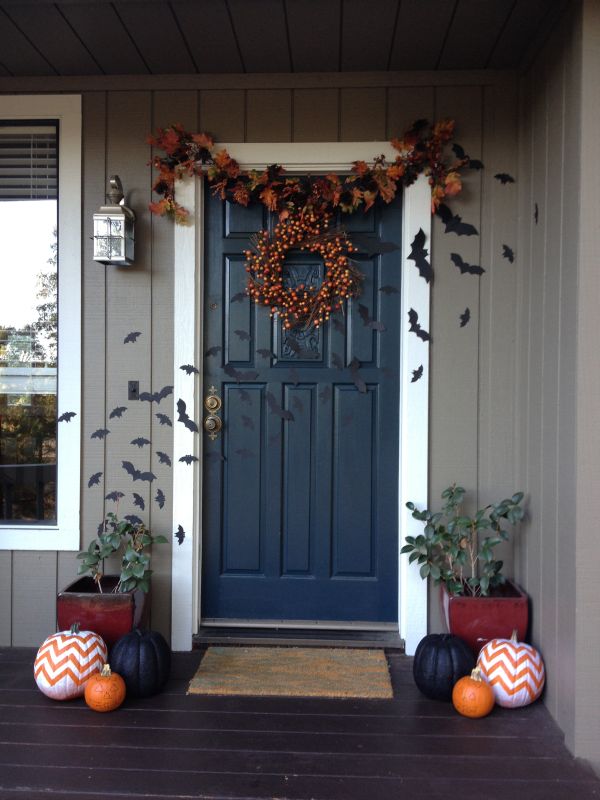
<point>178,746</point>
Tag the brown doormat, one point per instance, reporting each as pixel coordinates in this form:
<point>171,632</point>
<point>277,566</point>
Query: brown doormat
<point>293,672</point>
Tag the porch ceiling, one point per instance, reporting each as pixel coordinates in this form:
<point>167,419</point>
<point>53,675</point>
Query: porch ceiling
<point>98,37</point>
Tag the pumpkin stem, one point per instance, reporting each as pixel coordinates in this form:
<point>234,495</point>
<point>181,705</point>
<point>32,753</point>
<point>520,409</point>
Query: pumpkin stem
<point>74,628</point>
<point>106,671</point>
<point>513,637</point>
<point>476,674</point>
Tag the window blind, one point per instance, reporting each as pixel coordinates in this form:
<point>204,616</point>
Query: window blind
<point>28,162</point>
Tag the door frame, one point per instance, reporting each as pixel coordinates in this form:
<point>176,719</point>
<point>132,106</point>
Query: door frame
<point>188,348</point>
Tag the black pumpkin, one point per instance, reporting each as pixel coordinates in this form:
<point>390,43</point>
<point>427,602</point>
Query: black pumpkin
<point>440,660</point>
<point>143,660</point>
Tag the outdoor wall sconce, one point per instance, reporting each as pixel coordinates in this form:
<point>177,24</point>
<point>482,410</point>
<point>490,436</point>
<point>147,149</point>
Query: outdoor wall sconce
<point>114,234</point>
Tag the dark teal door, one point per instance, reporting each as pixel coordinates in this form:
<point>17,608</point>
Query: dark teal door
<point>300,495</point>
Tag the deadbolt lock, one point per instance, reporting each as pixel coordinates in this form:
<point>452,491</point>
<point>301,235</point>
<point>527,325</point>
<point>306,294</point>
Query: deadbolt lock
<point>212,402</point>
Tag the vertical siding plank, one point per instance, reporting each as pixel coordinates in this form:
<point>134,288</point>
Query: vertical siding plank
<point>5,598</point>
<point>362,115</point>
<point>223,113</point>
<point>269,115</point>
<point>316,115</point>
<point>406,105</point>
<point>34,589</point>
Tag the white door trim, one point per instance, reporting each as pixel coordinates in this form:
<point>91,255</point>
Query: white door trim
<point>414,397</point>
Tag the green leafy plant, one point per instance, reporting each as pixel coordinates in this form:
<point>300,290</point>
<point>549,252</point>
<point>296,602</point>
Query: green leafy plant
<point>132,540</point>
<point>457,549</point>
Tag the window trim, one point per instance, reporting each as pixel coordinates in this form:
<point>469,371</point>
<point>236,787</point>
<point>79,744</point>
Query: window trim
<point>65,535</point>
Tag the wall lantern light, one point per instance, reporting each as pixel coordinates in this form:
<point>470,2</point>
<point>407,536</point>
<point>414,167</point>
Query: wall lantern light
<point>114,228</point>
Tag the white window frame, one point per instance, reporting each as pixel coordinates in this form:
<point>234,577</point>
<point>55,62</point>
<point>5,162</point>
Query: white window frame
<point>65,534</point>
<point>414,397</point>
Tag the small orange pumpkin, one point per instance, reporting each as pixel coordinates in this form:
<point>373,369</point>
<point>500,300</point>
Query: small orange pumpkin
<point>472,696</point>
<point>105,690</point>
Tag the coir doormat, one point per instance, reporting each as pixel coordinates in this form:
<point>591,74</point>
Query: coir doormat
<point>293,672</point>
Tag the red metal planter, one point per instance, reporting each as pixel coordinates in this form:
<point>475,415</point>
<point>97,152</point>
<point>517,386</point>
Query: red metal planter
<point>110,614</point>
<point>479,619</point>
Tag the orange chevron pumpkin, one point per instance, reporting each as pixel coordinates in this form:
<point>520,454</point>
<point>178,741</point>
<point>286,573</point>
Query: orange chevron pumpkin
<point>66,661</point>
<point>514,670</point>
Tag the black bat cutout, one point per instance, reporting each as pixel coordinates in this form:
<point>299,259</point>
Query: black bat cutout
<point>243,452</point>
<point>137,474</point>
<point>356,376</point>
<point>465,317</point>
<point>504,177</point>
<point>179,534</point>
<point>138,500</point>
<point>94,479</point>
<point>188,459</point>
<point>419,254</point>
<point>239,297</point>
<point>212,457</point>
<point>275,408</point>
<point>117,412</point>
<point>134,519</point>
<point>454,223</point>
<point>464,267</point>
<point>294,376</point>
<point>263,353</point>
<point>247,422</point>
<point>189,369</point>
<point>140,441</point>
<point>298,404</point>
<point>101,433</point>
<point>160,498</point>
<point>371,246</point>
<point>536,213</point>
<point>245,397</point>
<point>183,417</point>
<point>67,416</point>
<point>132,337</point>
<point>213,351</point>
<point>325,395</point>
<point>389,290</point>
<point>238,376</point>
<point>163,458</point>
<point>508,253</point>
<point>415,327</point>
<point>338,325</point>
<point>336,360</point>
<point>417,374</point>
<point>472,163</point>
<point>114,496</point>
<point>243,335</point>
<point>369,322</point>
<point>164,419</point>
<point>156,397</point>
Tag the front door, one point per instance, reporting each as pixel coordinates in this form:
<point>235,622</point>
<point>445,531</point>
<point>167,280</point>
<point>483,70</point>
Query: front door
<point>300,487</point>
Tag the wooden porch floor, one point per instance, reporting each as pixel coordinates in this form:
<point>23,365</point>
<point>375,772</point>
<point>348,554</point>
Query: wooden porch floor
<point>174,746</point>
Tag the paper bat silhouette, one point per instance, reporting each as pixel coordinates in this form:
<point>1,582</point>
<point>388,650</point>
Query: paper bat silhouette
<point>356,376</point>
<point>183,417</point>
<point>140,441</point>
<point>163,458</point>
<point>179,534</point>
<point>117,412</point>
<point>298,405</point>
<point>245,377</point>
<point>188,459</point>
<point>213,351</point>
<point>536,213</point>
<point>338,325</point>
<point>471,269</point>
<point>94,479</point>
<point>245,397</point>
<point>156,397</point>
<point>243,335</point>
<point>189,368</point>
<point>389,290</point>
<point>369,322</point>
<point>138,500</point>
<point>244,453</point>
<point>160,498</point>
<point>266,353</point>
<point>417,373</point>
<point>247,422</point>
<point>67,416</point>
<point>454,223</point>
<point>293,376</point>
<point>414,327</point>
<point>465,317</point>
<point>239,297</point>
<point>371,246</point>
<point>336,360</point>
<point>325,395</point>
<point>473,163</point>
<point>275,408</point>
<point>101,433</point>
<point>132,337</point>
<point>134,519</point>
<point>137,474</point>
<point>114,496</point>
<point>164,419</point>
<point>214,457</point>
<point>504,177</point>
<point>509,253</point>
<point>419,254</point>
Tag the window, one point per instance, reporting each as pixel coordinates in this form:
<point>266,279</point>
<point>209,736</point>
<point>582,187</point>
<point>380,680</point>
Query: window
<point>40,321</point>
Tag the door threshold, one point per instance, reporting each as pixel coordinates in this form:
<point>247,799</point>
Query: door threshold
<point>297,637</point>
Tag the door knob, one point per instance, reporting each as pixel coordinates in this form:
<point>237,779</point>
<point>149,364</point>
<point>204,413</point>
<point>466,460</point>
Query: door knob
<point>212,425</point>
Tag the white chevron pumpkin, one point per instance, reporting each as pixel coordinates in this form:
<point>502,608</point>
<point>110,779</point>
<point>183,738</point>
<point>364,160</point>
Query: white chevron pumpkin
<point>66,661</point>
<point>514,670</point>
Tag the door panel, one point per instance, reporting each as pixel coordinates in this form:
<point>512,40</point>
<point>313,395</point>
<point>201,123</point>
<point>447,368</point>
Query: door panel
<point>300,491</point>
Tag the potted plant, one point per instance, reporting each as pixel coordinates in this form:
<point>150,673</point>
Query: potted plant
<point>457,551</point>
<point>110,605</point>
